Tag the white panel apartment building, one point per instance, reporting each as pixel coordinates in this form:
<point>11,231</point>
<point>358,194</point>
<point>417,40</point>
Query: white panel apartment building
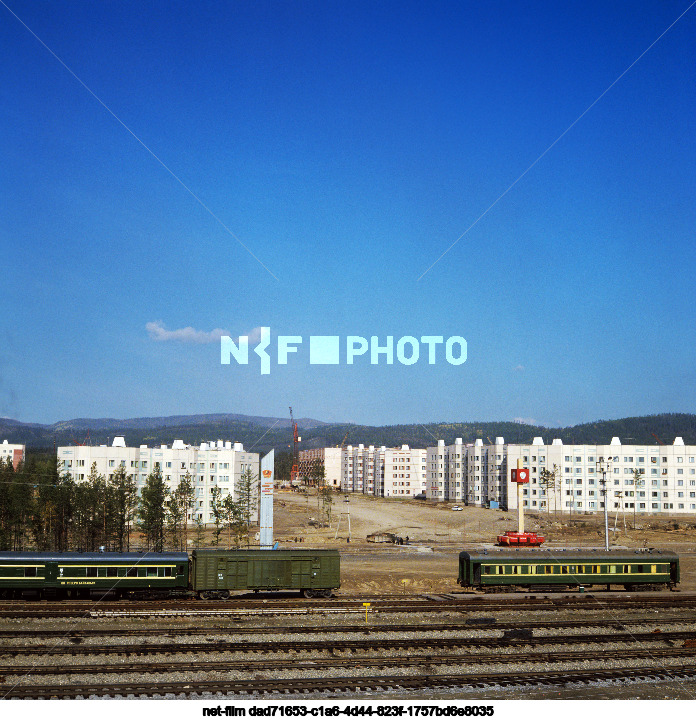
<point>217,463</point>
<point>478,474</point>
<point>329,457</point>
<point>385,472</point>
<point>472,473</point>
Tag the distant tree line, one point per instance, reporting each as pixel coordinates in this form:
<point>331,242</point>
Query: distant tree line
<point>44,509</point>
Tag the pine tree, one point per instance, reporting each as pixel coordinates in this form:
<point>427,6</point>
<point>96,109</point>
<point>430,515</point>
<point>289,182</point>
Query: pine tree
<point>152,509</point>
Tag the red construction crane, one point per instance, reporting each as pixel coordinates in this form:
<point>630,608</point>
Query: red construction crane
<point>295,440</point>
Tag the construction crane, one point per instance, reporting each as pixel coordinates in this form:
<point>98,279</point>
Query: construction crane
<point>658,440</point>
<point>343,442</point>
<point>295,440</point>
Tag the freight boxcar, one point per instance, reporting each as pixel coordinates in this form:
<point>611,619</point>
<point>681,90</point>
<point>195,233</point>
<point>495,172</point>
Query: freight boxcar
<point>314,573</point>
<point>98,575</point>
<point>556,568</point>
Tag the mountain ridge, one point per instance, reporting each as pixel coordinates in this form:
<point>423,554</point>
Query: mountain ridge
<point>261,433</point>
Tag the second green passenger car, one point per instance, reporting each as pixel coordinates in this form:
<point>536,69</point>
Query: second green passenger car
<point>315,573</point>
<point>562,568</point>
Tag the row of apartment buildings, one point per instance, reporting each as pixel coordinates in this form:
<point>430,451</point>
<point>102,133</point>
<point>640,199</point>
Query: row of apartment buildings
<point>213,464</point>
<point>636,478</point>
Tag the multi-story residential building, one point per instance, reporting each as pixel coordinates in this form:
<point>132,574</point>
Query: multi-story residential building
<point>330,458</point>
<point>383,471</point>
<point>637,478</point>
<point>12,452</point>
<point>213,464</point>
<point>404,473</point>
<point>362,469</point>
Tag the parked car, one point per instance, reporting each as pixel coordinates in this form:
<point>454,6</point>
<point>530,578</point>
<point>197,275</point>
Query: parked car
<point>457,508</point>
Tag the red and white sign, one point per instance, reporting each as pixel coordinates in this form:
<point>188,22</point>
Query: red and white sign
<point>520,475</point>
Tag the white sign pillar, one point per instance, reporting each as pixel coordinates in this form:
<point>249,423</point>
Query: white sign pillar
<point>266,501</point>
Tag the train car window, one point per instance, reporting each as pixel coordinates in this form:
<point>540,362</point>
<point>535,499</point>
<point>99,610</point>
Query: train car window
<point>653,568</point>
<point>101,571</point>
<point>639,568</point>
<point>111,571</point>
<point>91,572</point>
<point>122,571</point>
<point>151,571</point>
<point>572,569</point>
<point>612,569</point>
<point>564,569</point>
<point>180,571</point>
<point>488,569</point>
<point>132,572</point>
<point>626,568</point>
<point>548,569</point>
<point>30,572</point>
<point>596,569</point>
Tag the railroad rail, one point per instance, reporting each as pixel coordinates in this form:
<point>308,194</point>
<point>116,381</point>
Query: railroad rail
<point>254,665</point>
<point>341,645</point>
<point>467,625</point>
<point>433,604</point>
<point>251,687</point>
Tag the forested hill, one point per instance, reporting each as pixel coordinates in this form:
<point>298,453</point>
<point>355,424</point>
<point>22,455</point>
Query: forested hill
<point>261,434</point>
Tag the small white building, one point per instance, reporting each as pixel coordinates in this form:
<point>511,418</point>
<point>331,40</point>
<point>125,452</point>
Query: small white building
<point>212,464</point>
<point>13,453</point>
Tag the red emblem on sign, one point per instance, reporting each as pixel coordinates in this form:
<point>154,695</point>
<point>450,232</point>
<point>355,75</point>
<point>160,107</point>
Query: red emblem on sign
<point>266,474</point>
<point>520,475</point>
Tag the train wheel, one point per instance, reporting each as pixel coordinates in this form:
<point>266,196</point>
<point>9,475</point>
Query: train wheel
<point>224,595</point>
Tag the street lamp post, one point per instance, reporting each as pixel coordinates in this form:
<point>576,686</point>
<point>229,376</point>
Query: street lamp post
<point>602,468</point>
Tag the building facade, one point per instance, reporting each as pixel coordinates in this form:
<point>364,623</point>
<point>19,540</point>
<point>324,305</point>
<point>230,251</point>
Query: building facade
<point>13,453</point>
<point>213,464</point>
<point>385,472</point>
<point>568,478</point>
<point>330,458</point>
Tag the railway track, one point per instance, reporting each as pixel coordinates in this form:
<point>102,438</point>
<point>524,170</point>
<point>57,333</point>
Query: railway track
<point>467,625</point>
<point>256,665</point>
<point>251,687</point>
<point>433,604</point>
<point>341,645</point>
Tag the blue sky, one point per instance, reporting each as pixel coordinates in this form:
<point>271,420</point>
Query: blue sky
<point>347,146</point>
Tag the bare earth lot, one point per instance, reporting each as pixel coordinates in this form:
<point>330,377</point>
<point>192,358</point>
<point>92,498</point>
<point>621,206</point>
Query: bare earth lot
<point>437,534</point>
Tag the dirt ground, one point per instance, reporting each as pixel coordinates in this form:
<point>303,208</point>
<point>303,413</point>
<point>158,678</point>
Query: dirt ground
<point>436,534</point>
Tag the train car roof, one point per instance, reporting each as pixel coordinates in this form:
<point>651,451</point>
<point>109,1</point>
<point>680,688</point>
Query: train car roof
<point>515,555</point>
<point>65,557</point>
<point>265,552</point>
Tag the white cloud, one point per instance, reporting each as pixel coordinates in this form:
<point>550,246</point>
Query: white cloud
<point>518,368</point>
<point>158,332</point>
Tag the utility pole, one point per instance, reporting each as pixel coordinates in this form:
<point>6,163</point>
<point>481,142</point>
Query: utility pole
<point>602,468</point>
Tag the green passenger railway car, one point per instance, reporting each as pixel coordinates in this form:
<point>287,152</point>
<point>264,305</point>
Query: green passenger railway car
<point>555,568</point>
<point>314,573</point>
<point>99,575</point>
